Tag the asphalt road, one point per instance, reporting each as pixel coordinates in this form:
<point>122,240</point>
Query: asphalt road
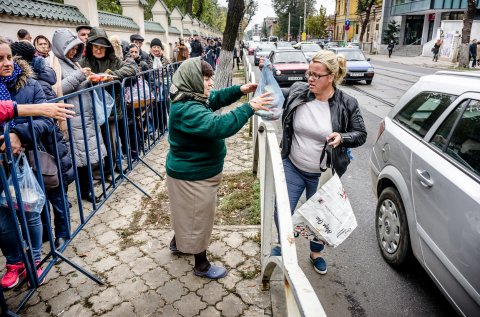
<point>359,282</point>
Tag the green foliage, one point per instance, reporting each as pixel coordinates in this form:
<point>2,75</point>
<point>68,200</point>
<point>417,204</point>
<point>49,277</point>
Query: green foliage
<point>112,6</point>
<point>317,24</point>
<point>296,10</point>
<point>391,33</point>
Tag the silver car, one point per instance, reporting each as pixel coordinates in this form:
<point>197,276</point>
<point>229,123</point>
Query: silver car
<point>425,168</point>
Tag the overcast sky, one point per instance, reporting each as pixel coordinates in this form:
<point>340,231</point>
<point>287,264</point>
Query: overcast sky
<point>265,9</point>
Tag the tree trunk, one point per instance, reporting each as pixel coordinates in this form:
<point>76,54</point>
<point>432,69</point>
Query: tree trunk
<point>466,31</point>
<point>200,9</point>
<point>364,24</point>
<point>223,75</point>
<point>189,6</point>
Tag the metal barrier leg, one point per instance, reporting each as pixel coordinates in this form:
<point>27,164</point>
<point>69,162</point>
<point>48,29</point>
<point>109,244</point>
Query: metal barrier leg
<point>79,268</point>
<point>136,186</point>
<point>4,307</point>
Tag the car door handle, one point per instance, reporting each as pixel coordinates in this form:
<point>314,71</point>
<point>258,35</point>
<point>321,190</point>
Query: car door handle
<point>424,178</point>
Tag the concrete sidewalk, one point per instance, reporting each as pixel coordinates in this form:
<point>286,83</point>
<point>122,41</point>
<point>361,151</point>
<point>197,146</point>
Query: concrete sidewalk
<point>127,246</point>
<point>421,61</point>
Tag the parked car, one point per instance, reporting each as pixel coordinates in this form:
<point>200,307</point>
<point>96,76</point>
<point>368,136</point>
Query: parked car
<point>358,67</point>
<point>263,50</point>
<point>283,45</point>
<point>289,66</point>
<point>309,50</point>
<point>425,169</point>
<point>252,46</point>
<point>333,44</point>
<point>297,45</point>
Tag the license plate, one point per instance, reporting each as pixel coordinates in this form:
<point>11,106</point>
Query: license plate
<point>295,78</point>
<point>356,74</point>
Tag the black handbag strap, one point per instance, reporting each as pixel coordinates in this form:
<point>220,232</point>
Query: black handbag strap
<point>329,158</point>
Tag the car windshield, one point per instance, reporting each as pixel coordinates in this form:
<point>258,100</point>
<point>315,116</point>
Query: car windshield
<point>266,47</point>
<point>352,55</point>
<point>289,58</point>
<point>311,48</point>
<point>284,44</point>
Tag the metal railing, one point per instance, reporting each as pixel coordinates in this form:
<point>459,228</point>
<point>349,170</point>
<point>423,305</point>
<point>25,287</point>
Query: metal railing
<point>300,298</point>
<point>136,130</point>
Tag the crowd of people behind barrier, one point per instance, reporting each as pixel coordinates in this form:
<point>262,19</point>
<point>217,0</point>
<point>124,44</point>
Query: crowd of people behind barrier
<point>35,72</point>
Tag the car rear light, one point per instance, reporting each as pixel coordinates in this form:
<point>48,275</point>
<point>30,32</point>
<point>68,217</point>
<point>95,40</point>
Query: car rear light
<point>380,130</point>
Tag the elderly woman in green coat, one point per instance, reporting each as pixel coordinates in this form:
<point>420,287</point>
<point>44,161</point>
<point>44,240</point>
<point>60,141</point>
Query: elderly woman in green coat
<point>196,156</point>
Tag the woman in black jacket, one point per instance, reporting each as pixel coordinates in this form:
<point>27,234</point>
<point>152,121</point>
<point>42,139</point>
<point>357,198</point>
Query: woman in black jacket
<point>317,113</point>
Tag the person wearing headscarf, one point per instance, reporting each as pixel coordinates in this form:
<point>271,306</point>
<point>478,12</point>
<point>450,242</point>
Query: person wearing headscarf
<point>197,151</point>
<point>42,46</point>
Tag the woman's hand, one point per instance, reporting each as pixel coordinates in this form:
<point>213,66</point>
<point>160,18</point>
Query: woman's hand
<point>334,139</point>
<point>248,88</point>
<point>86,71</point>
<point>14,141</point>
<point>57,111</point>
<point>259,103</point>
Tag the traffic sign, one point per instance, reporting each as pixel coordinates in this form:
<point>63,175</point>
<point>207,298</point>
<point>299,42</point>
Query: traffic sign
<point>347,27</point>
<point>304,36</point>
<point>347,23</point>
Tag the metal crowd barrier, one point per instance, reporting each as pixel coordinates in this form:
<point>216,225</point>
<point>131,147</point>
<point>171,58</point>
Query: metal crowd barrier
<point>300,298</point>
<point>136,130</point>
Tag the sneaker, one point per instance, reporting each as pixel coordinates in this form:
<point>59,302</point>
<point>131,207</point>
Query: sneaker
<point>39,272</point>
<point>12,276</point>
<point>319,265</point>
<point>213,273</point>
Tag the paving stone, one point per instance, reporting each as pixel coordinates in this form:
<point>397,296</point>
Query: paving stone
<point>172,291</point>
<point>142,265</point>
<point>163,256</point>
<point>94,254</point>
<point>119,274</point>
<point>132,288</point>
<point>234,240</point>
<point>90,288</point>
<point>212,292</point>
<point>63,301</point>
<point>218,248</point>
<point>231,306</point>
<point>38,310</point>
<point>194,283</point>
<point>179,267</point>
<point>168,311</point>
<point>234,258</point>
<point>141,236</point>
<point>250,248</point>
<point>124,309</point>
<point>105,300</point>
<point>195,305</point>
<point>129,254</point>
<point>210,312</point>
<point>251,293</point>
<point>106,264</point>
<point>156,277</point>
<point>75,279</point>
<point>99,230</point>
<point>231,279</point>
<point>119,223</point>
<point>108,237</point>
<point>148,303</point>
<point>53,288</point>
<point>77,310</point>
<point>254,311</point>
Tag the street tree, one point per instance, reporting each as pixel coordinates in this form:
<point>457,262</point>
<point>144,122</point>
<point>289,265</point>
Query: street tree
<point>223,74</point>
<point>296,10</point>
<point>466,32</point>
<point>391,33</point>
<point>317,24</point>
<point>364,8</point>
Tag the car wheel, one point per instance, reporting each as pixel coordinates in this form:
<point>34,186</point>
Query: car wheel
<point>256,62</point>
<point>392,228</point>
<point>369,81</point>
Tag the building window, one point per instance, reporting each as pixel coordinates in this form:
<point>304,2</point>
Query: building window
<point>452,16</point>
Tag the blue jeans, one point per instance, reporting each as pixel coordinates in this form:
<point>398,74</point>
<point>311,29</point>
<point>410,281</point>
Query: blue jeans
<point>8,238</point>
<point>61,212</point>
<point>297,182</point>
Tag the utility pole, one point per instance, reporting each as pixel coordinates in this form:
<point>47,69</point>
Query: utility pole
<point>347,13</point>
<point>305,15</point>
<point>289,38</point>
<point>300,29</point>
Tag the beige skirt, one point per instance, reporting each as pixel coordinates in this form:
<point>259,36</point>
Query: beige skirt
<point>192,206</point>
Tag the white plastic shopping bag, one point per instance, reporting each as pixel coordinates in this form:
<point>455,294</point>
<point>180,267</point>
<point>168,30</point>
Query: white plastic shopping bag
<point>268,83</point>
<point>327,215</point>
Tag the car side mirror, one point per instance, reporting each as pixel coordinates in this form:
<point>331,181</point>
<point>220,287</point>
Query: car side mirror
<point>368,59</point>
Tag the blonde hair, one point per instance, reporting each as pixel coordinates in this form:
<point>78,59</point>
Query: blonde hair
<point>335,64</point>
<point>117,45</point>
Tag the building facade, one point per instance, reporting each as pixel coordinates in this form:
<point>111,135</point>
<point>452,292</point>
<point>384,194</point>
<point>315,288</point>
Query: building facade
<point>342,14</point>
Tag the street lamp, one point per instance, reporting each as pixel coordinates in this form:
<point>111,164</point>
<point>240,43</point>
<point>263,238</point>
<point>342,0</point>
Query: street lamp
<point>300,29</point>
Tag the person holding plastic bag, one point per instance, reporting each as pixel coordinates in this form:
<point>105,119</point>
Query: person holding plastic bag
<point>269,84</point>
<point>315,112</point>
<point>18,87</point>
<point>197,152</point>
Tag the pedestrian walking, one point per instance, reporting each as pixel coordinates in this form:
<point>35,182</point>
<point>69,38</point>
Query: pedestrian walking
<point>316,112</point>
<point>197,151</point>
<point>436,50</point>
<point>390,47</point>
<point>472,51</point>
<point>236,58</point>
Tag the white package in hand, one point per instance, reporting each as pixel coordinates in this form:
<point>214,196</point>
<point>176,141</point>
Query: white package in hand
<point>327,215</point>
<point>268,83</point>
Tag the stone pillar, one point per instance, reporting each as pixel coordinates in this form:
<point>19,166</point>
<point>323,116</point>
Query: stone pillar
<point>176,18</point>
<point>88,9</point>
<point>134,9</point>
<point>159,12</point>
<point>187,23</point>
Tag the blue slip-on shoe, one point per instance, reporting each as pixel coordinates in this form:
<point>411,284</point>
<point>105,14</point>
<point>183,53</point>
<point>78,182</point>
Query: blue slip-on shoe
<point>276,251</point>
<point>319,265</point>
<point>214,272</point>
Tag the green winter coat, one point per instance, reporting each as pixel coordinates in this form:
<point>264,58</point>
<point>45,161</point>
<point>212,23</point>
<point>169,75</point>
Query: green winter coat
<point>197,135</point>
